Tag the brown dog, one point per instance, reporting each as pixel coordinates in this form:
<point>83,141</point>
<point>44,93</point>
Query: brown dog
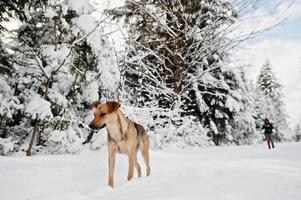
<point>124,136</point>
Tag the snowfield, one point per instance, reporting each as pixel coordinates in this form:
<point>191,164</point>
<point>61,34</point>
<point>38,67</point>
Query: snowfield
<point>215,173</point>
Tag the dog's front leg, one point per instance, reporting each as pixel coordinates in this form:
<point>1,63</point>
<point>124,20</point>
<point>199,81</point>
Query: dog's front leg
<point>112,148</point>
<point>132,156</point>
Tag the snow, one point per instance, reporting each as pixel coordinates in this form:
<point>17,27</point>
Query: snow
<point>6,145</point>
<point>80,6</point>
<point>232,104</point>
<point>242,173</point>
<point>38,108</point>
<point>213,127</point>
<point>50,13</point>
<point>56,55</point>
<point>85,22</point>
<point>91,91</point>
<point>8,104</point>
<point>64,142</point>
<point>58,98</point>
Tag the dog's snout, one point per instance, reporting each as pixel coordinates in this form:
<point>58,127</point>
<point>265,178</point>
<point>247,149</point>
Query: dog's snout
<point>91,126</point>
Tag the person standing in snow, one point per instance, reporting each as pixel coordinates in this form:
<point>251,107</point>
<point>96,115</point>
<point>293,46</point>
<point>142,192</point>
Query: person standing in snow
<point>268,133</point>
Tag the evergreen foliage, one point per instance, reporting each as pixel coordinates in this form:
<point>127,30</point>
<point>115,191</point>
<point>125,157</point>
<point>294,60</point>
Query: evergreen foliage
<point>271,104</point>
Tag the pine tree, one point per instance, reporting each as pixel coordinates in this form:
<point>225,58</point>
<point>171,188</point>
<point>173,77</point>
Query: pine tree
<point>273,106</point>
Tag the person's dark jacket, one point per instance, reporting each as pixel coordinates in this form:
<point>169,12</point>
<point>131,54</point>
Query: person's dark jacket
<point>268,128</point>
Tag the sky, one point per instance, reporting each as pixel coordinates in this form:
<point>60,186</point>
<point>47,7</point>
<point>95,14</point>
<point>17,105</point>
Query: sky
<point>281,46</point>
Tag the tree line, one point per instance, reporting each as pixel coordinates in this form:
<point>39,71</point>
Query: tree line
<point>172,74</point>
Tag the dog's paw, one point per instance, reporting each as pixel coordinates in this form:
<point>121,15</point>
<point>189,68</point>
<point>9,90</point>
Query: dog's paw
<point>130,177</point>
<point>111,184</point>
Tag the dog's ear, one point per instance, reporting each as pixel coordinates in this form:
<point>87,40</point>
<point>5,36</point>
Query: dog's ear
<point>113,106</point>
<point>94,104</point>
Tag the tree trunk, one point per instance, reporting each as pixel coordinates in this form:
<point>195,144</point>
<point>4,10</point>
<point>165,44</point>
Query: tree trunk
<point>55,34</point>
<point>39,136</point>
<point>35,129</point>
<point>48,85</point>
<point>214,138</point>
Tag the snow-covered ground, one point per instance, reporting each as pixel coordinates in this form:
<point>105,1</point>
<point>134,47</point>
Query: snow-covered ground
<point>222,173</point>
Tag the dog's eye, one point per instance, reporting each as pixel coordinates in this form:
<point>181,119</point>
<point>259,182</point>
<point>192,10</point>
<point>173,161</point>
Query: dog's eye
<point>102,114</point>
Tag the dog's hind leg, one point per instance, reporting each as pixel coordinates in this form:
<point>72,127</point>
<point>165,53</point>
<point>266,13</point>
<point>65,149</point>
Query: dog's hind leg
<point>138,168</point>
<point>145,153</point>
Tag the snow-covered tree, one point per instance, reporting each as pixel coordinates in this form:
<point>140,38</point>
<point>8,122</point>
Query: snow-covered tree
<point>62,56</point>
<point>243,129</point>
<point>169,41</point>
<point>176,52</point>
<point>8,10</point>
<point>271,103</point>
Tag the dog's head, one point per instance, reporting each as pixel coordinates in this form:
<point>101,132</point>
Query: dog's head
<point>104,113</point>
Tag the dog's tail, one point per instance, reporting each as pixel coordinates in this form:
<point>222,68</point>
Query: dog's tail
<point>141,134</point>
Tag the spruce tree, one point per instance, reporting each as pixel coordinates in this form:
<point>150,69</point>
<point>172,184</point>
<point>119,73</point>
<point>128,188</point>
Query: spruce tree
<point>272,105</point>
